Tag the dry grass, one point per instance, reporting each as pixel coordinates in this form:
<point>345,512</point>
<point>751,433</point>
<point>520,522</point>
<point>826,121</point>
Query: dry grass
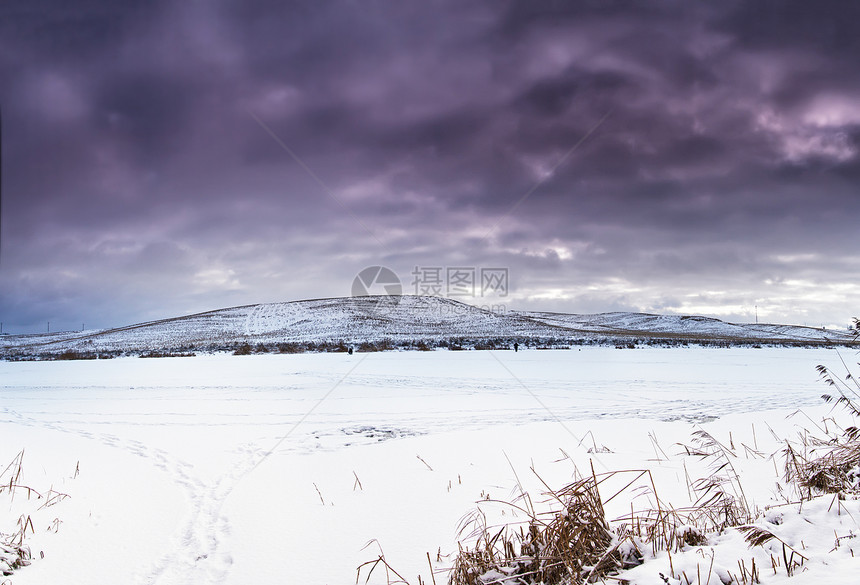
<point>573,544</point>
<point>831,463</point>
<point>577,544</point>
<point>720,495</point>
<point>792,560</point>
<point>13,552</point>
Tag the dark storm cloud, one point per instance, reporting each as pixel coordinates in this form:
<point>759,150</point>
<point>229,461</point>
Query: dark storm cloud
<point>136,171</point>
<point>776,25</point>
<point>46,31</point>
<point>144,111</point>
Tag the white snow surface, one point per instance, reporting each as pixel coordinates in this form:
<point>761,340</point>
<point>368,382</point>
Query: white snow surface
<point>403,318</point>
<point>282,468</point>
<point>686,325</point>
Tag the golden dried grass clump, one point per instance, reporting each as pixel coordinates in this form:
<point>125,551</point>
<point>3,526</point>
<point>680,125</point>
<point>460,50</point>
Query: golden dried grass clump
<point>830,464</point>
<point>825,469</point>
<point>571,545</point>
<point>13,552</point>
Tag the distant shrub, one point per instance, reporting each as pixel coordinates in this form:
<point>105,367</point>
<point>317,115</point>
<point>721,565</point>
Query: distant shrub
<point>380,345</point>
<point>290,348</point>
<point>244,349</point>
<point>76,355</point>
<point>340,347</point>
<point>166,354</point>
<point>487,345</point>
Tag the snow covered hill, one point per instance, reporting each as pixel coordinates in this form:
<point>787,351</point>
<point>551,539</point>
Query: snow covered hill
<point>402,320</point>
<point>683,326</point>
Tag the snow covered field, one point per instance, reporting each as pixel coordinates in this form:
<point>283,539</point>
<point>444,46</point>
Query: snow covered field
<point>281,468</point>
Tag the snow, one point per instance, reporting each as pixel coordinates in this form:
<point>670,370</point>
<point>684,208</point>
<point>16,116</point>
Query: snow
<point>282,468</point>
<point>404,319</point>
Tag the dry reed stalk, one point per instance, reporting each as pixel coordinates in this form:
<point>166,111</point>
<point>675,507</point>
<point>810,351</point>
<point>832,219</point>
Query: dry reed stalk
<point>573,544</point>
<point>829,464</point>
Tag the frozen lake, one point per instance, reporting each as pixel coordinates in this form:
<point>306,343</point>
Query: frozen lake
<point>408,392</point>
<point>230,469</point>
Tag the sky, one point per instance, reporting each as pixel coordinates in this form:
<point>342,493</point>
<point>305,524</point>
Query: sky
<point>168,158</point>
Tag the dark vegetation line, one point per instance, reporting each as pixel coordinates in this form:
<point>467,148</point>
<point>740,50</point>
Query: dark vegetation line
<point>249,347</point>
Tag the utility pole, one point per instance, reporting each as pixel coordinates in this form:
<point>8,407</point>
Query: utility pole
<point>756,314</point>
<point>49,326</point>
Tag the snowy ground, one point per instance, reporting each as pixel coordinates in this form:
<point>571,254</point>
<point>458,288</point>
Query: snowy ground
<point>272,469</point>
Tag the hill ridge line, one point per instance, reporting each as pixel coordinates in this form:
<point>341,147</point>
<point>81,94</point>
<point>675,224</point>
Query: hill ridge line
<point>407,321</point>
